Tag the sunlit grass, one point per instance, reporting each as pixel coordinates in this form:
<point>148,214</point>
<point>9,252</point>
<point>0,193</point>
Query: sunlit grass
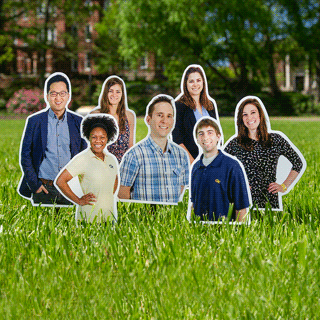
<point>158,266</point>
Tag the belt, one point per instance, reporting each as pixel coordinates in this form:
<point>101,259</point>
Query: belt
<point>48,182</point>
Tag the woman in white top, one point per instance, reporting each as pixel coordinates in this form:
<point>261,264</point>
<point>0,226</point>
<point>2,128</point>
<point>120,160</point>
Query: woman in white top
<point>97,170</point>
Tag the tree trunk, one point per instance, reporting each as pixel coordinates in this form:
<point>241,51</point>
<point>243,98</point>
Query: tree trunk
<point>43,50</point>
<point>271,68</point>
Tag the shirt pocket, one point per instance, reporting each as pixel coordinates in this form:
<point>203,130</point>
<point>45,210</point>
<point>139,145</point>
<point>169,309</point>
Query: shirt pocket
<point>176,175</point>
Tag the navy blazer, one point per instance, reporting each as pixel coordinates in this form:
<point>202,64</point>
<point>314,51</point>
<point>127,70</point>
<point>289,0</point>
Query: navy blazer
<point>183,130</point>
<point>34,144</point>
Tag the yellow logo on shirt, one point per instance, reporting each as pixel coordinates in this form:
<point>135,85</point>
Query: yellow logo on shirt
<point>217,181</point>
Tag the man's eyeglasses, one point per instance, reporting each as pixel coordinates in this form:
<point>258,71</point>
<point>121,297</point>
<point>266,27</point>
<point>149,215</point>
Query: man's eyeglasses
<point>62,94</point>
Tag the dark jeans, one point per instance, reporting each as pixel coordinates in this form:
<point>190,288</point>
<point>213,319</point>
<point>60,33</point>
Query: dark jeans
<point>53,197</point>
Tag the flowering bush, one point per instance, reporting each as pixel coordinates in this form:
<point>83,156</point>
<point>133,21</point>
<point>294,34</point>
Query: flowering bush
<point>26,101</point>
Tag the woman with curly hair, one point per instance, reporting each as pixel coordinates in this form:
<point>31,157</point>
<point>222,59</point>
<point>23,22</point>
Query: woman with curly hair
<point>259,152</point>
<point>97,171</point>
<point>191,105</point>
<point>113,101</point>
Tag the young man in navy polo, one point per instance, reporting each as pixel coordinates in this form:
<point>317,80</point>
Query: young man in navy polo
<point>217,180</point>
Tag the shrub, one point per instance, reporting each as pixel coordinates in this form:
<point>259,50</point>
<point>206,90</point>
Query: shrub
<point>26,101</point>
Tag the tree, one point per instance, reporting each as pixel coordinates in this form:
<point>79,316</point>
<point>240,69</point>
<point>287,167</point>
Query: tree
<point>10,11</point>
<point>304,26</point>
<point>240,35</point>
<point>107,57</point>
<point>38,31</point>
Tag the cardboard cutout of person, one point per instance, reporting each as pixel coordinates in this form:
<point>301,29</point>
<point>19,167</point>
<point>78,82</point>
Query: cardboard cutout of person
<point>192,103</point>
<point>155,170</point>
<point>218,180</point>
<point>97,169</point>
<point>113,101</point>
<point>51,137</point>
<point>264,152</point>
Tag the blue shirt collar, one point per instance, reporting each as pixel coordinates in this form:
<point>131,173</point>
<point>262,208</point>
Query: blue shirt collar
<point>214,163</point>
<point>153,145</point>
<point>52,115</point>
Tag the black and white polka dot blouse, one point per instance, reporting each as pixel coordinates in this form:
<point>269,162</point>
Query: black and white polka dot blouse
<point>261,166</point>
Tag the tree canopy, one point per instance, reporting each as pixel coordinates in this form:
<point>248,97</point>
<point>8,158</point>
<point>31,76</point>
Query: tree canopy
<point>239,42</point>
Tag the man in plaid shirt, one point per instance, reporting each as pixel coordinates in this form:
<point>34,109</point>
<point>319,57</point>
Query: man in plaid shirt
<point>156,169</point>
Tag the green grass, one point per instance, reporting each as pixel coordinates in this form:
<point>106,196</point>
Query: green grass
<point>160,267</point>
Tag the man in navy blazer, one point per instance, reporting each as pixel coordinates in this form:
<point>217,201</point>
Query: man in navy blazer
<point>51,138</point>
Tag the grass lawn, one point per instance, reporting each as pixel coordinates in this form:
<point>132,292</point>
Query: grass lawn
<point>160,267</point>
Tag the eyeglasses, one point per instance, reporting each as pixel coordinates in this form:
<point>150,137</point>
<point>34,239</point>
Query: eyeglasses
<point>62,94</point>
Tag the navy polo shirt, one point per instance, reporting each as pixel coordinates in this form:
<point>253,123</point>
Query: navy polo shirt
<point>215,186</point>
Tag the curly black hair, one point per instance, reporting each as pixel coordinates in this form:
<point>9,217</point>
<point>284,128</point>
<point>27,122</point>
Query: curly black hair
<point>102,121</point>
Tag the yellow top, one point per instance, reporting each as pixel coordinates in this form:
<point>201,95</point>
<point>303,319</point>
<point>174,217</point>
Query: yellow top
<point>96,176</point>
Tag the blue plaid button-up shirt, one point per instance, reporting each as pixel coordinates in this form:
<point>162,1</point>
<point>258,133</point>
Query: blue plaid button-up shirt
<point>155,175</point>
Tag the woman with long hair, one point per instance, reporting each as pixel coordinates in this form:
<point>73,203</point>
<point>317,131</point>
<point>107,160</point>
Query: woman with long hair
<point>259,151</point>
<point>113,101</point>
<point>192,104</point>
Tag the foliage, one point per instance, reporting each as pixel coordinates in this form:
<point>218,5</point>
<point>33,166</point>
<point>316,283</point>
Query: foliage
<point>303,24</point>
<point>6,53</point>
<point>303,104</point>
<point>26,101</point>
<point>107,55</point>
<point>37,33</point>
<point>160,266</point>
<point>241,35</point>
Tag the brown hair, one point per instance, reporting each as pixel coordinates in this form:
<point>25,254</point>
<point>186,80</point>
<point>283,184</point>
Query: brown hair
<point>157,100</point>
<point>105,104</point>
<point>186,97</point>
<point>262,131</point>
<point>206,122</point>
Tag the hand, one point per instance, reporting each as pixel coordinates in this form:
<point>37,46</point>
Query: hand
<point>88,198</point>
<point>42,188</point>
<point>275,187</point>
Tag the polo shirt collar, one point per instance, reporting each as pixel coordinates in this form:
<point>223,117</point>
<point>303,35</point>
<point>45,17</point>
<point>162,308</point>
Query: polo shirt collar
<point>213,163</point>
<point>92,155</point>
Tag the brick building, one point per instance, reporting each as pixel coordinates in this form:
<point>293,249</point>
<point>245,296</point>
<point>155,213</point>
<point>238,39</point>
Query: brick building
<point>60,36</point>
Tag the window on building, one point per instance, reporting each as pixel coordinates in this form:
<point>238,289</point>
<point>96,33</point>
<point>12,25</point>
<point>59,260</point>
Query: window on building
<point>74,31</point>
<point>299,83</point>
<point>144,62</point>
<point>74,65</point>
<point>41,9</point>
<point>87,62</point>
<point>88,32</point>
<point>52,35</point>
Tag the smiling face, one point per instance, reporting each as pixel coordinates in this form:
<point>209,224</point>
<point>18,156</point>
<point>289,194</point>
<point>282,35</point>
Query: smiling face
<point>115,94</point>
<point>251,117</point>
<point>58,97</point>
<point>98,140</point>
<point>162,119</point>
<point>208,139</point>
<point>194,84</point>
